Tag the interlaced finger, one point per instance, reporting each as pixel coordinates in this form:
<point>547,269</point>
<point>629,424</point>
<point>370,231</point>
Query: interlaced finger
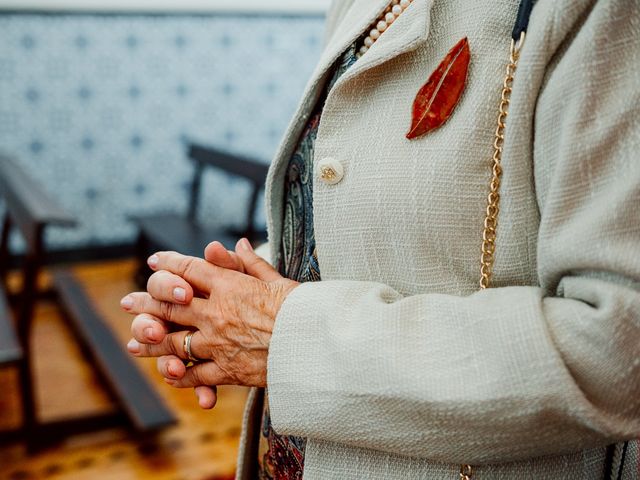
<point>172,344</point>
<point>172,367</point>
<point>146,328</point>
<point>169,287</point>
<point>186,315</point>
<point>207,396</point>
<point>205,373</point>
<point>198,272</point>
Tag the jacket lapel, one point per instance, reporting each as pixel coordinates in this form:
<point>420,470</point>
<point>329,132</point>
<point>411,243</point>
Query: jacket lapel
<point>409,30</point>
<point>404,35</point>
<point>354,23</point>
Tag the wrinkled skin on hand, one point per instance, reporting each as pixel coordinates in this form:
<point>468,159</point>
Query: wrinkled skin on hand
<point>230,300</point>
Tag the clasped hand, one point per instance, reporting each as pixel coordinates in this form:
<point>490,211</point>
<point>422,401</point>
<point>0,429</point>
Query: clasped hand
<point>229,300</point>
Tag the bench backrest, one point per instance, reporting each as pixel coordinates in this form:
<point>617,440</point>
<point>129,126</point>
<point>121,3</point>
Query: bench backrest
<point>251,170</point>
<point>28,205</point>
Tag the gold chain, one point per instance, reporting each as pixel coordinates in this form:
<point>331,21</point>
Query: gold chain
<point>493,199</point>
<point>466,471</point>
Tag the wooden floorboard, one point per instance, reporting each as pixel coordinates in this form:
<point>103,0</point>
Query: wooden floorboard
<point>202,446</point>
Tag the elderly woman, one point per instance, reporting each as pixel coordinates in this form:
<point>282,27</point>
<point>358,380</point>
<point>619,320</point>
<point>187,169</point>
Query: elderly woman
<point>374,350</point>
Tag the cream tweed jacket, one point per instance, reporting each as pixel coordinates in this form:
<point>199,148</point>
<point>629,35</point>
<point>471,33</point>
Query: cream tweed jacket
<point>396,366</point>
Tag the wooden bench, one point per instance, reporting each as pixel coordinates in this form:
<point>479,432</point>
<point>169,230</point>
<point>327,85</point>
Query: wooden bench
<point>10,349</point>
<point>182,232</point>
<point>132,390</point>
<point>30,210</point>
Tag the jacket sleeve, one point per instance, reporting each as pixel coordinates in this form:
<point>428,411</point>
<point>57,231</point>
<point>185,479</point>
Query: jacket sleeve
<point>507,373</point>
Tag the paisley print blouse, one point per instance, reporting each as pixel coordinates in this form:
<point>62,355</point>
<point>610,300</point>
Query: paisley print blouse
<point>282,457</point>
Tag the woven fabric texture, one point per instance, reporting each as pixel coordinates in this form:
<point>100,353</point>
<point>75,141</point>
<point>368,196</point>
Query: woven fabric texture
<point>395,365</point>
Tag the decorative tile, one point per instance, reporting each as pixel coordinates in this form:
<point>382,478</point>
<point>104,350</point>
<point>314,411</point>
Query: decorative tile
<point>98,108</point>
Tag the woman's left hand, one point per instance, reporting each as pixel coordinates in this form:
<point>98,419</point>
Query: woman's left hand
<point>233,323</point>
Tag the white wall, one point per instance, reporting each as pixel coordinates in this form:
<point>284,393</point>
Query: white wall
<point>194,6</point>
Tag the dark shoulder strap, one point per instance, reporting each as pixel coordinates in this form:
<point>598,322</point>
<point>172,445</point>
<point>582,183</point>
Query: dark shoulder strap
<point>522,20</point>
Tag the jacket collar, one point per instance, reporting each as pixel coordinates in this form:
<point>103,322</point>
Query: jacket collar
<point>406,33</point>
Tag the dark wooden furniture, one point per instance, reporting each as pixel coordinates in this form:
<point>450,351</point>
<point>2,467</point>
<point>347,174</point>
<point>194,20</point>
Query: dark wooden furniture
<point>134,394</point>
<point>10,349</point>
<point>182,232</point>
<point>30,210</point>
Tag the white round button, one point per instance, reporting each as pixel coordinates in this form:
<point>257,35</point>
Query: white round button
<point>330,171</point>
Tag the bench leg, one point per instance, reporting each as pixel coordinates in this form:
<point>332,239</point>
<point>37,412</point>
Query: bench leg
<point>143,272</point>
<point>29,415</point>
<point>4,250</point>
<point>25,322</point>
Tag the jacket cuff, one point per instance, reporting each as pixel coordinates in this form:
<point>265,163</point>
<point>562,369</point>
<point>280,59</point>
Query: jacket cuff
<point>292,376</point>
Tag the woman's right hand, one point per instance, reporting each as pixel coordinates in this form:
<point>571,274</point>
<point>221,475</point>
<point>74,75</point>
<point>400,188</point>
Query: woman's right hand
<point>151,330</point>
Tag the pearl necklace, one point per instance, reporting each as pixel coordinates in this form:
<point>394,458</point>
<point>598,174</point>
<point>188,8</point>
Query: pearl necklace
<point>391,13</point>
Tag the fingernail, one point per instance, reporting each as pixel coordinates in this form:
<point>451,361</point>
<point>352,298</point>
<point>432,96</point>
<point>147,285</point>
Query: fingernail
<point>133,346</point>
<point>150,334</point>
<point>153,261</point>
<point>179,294</point>
<point>246,245</point>
<point>126,302</point>
<point>171,370</point>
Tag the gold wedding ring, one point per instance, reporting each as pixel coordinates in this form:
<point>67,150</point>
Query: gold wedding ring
<point>186,346</point>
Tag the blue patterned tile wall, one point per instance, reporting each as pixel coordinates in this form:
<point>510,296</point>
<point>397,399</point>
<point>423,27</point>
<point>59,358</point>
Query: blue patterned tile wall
<point>97,107</point>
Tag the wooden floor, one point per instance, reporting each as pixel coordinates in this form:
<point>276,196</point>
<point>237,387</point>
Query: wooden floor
<point>202,446</point>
